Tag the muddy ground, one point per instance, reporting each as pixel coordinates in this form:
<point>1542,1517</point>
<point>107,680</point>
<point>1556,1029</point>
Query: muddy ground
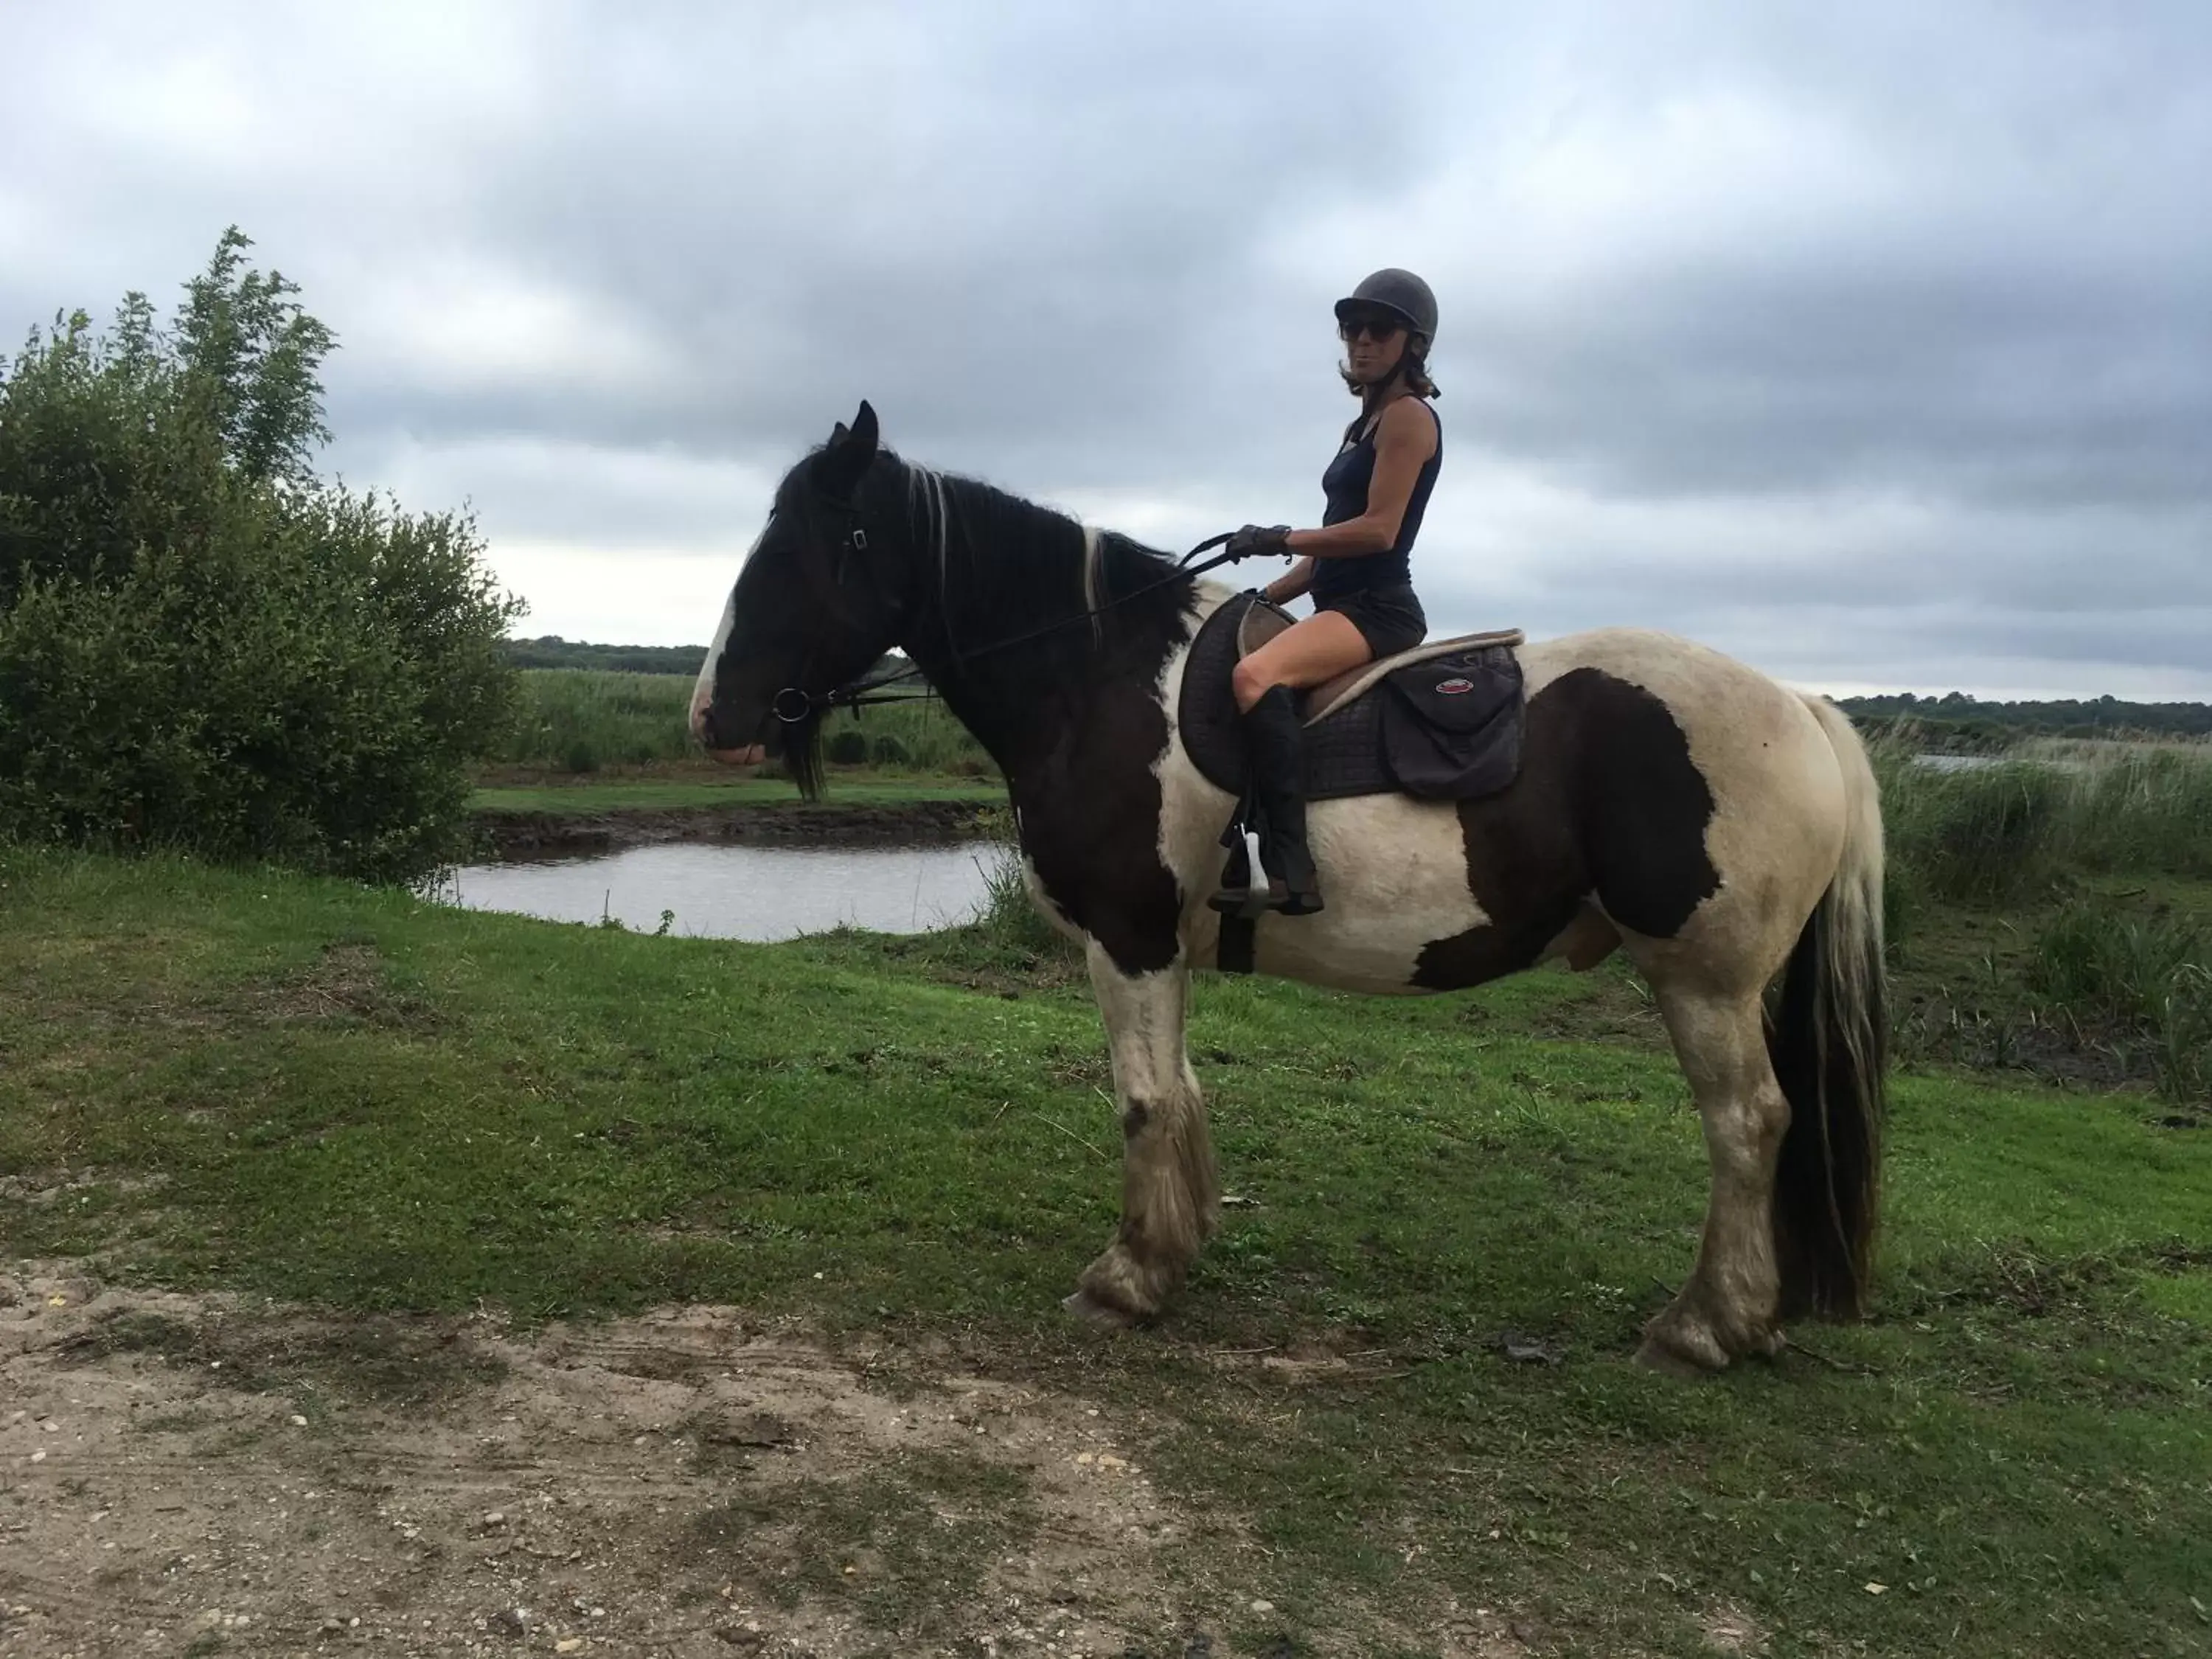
<point>207,1474</point>
<point>561,834</point>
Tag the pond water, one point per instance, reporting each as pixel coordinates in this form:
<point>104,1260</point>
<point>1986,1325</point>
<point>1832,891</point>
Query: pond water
<point>748,892</point>
<point>1958,762</point>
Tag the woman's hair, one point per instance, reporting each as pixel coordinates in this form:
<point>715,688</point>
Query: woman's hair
<point>1413,365</point>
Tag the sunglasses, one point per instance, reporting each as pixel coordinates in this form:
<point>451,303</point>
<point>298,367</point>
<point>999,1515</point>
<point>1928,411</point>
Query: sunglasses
<point>1376,328</point>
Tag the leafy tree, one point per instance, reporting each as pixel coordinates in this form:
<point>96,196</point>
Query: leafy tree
<point>202,644</point>
<point>253,354</point>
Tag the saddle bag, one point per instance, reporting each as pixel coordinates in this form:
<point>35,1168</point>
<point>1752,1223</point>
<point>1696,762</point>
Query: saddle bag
<point>1442,722</point>
<point>1451,725</point>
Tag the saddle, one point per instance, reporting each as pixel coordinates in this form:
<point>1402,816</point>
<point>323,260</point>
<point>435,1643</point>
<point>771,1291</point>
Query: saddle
<point>1442,722</point>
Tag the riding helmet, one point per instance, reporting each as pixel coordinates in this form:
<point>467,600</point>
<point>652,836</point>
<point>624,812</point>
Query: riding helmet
<point>1400,292</point>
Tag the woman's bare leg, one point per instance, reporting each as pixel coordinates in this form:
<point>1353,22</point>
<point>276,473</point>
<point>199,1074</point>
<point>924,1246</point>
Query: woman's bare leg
<point>1310,653</point>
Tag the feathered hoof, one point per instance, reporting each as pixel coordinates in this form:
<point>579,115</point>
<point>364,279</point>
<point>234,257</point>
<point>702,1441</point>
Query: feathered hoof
<point>1096,1311</point>
<point>1120,1289</point>
<point>1656,1355</point>
<point>1678,1343</point>
<point>1681,1342</point>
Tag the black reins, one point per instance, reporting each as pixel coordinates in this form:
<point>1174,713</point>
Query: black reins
<point>802,704</point>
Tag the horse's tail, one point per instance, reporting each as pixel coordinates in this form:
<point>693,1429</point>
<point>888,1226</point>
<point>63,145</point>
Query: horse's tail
<point>1829,1043</point>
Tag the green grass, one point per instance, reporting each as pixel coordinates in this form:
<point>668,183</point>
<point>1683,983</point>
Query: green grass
<point>2051,911</point>
<point>580,720</point>
<point>585,721</point>
<point>868,788</point>
<point>2094,979</point>
<point>357,1099</point>
<point>1998,833</point>
<point>2145,980</point>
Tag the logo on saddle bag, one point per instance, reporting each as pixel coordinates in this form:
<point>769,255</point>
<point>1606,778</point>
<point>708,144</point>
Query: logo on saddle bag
<point>1455,688</point>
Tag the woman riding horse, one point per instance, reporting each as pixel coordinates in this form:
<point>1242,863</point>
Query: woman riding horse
<point>1355,565</point>
<point>1719,829</point>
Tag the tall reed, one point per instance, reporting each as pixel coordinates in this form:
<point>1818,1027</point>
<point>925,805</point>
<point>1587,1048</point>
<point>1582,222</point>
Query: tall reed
<point>2144,981</point>
<point>1991,834</point>
<point>578,720</point>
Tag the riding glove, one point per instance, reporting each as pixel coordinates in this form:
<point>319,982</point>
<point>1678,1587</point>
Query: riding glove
<point>1261,541</point>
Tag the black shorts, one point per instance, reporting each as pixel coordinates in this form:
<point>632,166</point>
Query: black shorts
<point>1389,618</point>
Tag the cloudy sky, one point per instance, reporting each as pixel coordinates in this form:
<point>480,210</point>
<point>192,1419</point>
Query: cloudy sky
<point>1870,342</point>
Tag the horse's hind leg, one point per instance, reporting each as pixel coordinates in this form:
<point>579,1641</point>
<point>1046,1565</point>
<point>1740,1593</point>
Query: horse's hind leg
<point>1730,1305</point>
<point>1170,1195</point>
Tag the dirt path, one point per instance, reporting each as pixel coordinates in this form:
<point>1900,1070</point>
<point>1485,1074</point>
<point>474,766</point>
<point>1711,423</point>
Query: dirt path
<point>200,1475</point>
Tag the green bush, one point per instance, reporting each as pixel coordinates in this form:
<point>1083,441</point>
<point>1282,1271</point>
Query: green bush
<point>203,647</point>
<point>847,748</point>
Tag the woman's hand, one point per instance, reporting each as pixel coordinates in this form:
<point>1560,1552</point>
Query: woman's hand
<point>1259,541</point>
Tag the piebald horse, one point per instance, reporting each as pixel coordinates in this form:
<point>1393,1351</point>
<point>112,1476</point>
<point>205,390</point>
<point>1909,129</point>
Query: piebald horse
<point>1719,829</point>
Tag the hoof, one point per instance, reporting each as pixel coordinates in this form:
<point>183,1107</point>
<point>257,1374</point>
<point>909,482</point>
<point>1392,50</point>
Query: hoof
<point>1680,1342</point>
<point>1092,1310</point>
<point>1655,1356</point>
<point>1683,1340</point>
<point>1119,1289</point>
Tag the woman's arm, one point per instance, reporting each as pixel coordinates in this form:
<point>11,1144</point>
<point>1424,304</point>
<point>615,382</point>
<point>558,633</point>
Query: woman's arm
<point>1291,583</point>
<point>1405,438</point>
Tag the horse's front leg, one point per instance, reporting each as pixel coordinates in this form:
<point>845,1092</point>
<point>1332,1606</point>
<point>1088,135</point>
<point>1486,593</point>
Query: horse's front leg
<point>1171,1193</point>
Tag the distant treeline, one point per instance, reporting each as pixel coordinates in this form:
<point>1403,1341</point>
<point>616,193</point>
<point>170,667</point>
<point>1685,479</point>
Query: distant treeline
<point>1954,714</point>
<point>551,651</point>
<point>1972,722</point>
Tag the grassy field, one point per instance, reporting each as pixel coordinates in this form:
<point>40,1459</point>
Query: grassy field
<point>2056,916</point>
<point>306,1090</point>
<point>708,786</point>
<point>585,720</point>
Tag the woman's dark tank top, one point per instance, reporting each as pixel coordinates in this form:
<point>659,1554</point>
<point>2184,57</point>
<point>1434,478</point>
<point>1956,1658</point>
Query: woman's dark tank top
<point>1344,484</point>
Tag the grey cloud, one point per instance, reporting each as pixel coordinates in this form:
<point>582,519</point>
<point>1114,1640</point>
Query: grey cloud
<point>1782,309</point>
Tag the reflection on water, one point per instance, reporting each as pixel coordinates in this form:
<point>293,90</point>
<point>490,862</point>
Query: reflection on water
<point>1958,762</point>
<point>740,892</point>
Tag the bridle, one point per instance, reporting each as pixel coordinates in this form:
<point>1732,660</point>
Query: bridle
<point>794,704</point>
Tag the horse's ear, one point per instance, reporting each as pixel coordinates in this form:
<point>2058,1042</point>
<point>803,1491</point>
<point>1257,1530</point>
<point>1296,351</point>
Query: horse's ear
<point>850,451</point>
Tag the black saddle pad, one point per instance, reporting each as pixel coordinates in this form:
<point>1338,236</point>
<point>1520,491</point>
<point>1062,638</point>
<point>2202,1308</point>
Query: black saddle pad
<point>1447,729</point>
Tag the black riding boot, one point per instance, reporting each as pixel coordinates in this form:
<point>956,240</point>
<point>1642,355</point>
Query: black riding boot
<point>1276,746</point>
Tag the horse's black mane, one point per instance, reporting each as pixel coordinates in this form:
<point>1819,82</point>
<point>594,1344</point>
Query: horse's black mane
<point>1007,565</point>
<point>1014,610</point>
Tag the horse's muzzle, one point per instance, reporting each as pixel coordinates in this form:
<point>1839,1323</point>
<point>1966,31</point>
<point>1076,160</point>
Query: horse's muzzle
<point>718,742</point>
